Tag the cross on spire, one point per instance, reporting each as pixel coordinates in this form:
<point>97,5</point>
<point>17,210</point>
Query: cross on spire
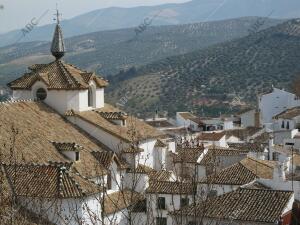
<point>57,14</point>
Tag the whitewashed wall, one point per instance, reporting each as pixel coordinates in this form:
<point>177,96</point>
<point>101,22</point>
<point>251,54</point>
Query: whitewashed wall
<point>107,139</point>
<point>276,102</point>
<point>248,119</point>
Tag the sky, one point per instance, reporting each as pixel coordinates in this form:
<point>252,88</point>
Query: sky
<point>15,14</point>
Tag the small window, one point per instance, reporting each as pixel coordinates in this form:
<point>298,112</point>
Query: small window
<point>275,156</point>
<point>109,181</point>
<point>161,203</point>
<point>161,221</point>
<point>77,156</point>
<point>41,94</point>
<point>90,97</point>
<point>288,125</point>
<point>282,124</point>
<point>184,202</point>
<point>212,193</point>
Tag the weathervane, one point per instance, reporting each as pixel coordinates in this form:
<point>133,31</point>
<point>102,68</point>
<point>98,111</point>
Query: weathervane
<point>57,14</point>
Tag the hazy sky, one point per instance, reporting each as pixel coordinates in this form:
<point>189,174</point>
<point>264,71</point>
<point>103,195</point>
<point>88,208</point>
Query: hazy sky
<point>17,13</point>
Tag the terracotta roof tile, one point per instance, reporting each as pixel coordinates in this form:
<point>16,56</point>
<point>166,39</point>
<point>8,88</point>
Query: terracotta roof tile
<point>187,155</point>
<point>161,175</point>
<point>215,151</point>
<point>288,114</point>
<point>159,143</point>
<point>170,187</point>
<point>38,126</point>
<point>242,172</point>
<point>253,205</point>
<point>57,75</point>
<point>120,200</point>
<point>144,131</point>
<point>48,182</point>
<point>214,136</point>
<point>250,147</point>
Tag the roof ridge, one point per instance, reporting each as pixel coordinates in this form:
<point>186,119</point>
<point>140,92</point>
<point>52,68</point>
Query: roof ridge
<point>67,74</point>
<point>260,162</point>
<point>17,101</point>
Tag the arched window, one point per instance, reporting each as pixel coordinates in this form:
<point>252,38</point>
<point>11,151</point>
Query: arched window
<point>41,94</point>
<point>288,125</point>
<point>90,97</point>
<point>282,124</point>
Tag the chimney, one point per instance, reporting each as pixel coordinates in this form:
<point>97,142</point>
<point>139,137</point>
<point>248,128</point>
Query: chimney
<point>278,172</point>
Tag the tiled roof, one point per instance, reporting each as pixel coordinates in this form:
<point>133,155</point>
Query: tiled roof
<point>288,114</point>
<point>215,151</point>
<point>242,172</point>
<point>214,136</point>
<point>242,133</point>
<point>132,150</point>
<point>120,200</point>
<point>250,147</point>
<point>48,182</point>
<point>170,187</point>
<point>186,115</point>
<point>188,155</point>
<point>159,123</point>
<point>161,175</point>
<point>141,169</point>
<point>57,75</point>
<point>38,126</point>
<point>67,146</point>
<point>105,158</point>
<point>197,120</point>
<point>144,131</point>
<point>113,115</point>
<point>159,143</point>
<point>253,205</point>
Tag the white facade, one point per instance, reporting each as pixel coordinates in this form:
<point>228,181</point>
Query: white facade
<point>66,211</point>
<point>63,100</point>
<point>274,103</point>
<point>172,202</point>
<point>248,118</point>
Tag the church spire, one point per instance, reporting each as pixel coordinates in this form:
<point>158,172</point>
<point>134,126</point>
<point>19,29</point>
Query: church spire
<point>58,46</point>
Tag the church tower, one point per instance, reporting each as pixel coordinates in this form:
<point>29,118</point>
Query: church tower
<point>60,85</point>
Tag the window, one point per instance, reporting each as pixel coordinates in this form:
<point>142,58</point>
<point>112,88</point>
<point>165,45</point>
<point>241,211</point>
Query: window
<point>161,221</point>
<point>41,94</point>
<point>212,193</point>
<point>90,97</point>
<point>161,203</point>
<point>76,156</point>
<point>288,125</point>
<point>282,124</point>
<point>184,202</point>
<point>275,156</point>
<point>109,181</point>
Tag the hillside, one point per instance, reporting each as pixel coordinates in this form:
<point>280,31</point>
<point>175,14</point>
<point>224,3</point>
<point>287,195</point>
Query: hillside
<point>210,80</point>
<point>169,14</point>
<point>108,52</point>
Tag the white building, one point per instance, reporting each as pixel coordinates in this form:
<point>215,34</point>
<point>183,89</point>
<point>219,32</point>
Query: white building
<point>273,103</point>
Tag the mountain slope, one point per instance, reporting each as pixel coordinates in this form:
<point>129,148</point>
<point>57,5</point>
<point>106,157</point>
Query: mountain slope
<point>212,79</point>
<point>108,52</point>
<point>169,14</point>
